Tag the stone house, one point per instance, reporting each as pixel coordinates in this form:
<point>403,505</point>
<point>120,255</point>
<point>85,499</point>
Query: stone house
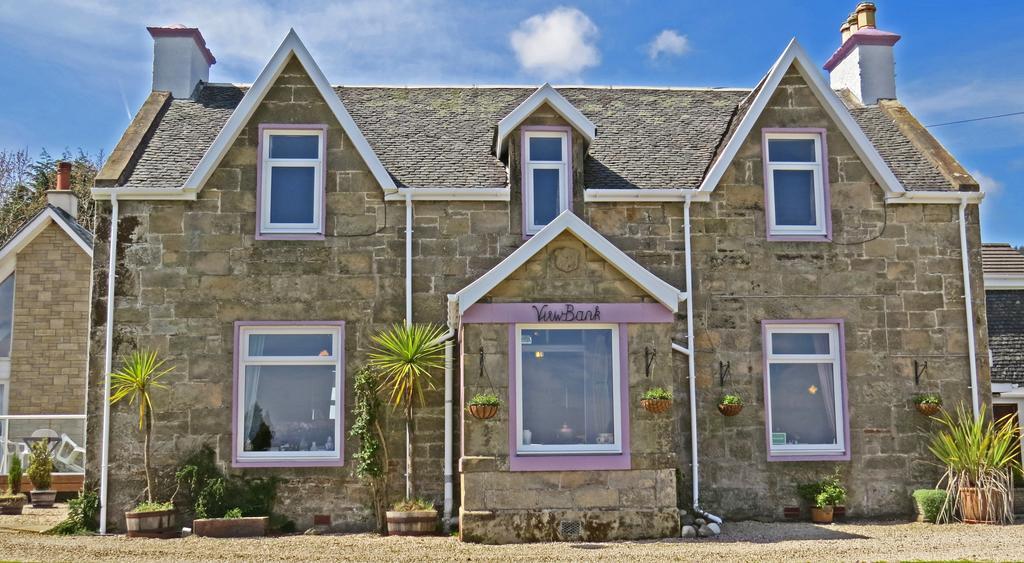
<point>45,280</point>
<point>797,243</point>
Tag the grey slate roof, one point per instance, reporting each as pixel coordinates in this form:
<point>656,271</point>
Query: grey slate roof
<point>80,231</point>
<point>444,136</point>
<point>1005,310</point>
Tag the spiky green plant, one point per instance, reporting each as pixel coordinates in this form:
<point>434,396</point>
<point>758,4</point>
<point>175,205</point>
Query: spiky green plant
<point>138,377</point>
<point>404,355</point>
<point>978,453</point>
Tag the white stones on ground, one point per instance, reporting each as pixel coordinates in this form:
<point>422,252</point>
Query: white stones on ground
<point>715,528</point>
<point>689,532</point>
<point>699,522</point>
<point>704,531</point>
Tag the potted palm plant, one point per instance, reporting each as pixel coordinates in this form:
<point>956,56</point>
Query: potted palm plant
<point>980,456</point>
<point>405,354</point>
<point>40,469</point>
<point>13,501</point>
<point>656,400</point>
<point>823,496</point>
<point>484,405</point>
<point>730,405</point>
<point>140,375</point>
<point>928,404</point>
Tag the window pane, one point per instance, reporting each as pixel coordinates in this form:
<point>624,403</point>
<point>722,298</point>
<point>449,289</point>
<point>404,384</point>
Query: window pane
<point>294,146</point>
<point>568,386</point>
<point>291,194</point>
<point>6,315</point>
<point>545,195</point>
<point>546,148</point>
<point>291,345</point>
<point>289,409</point>
<point>800,343</point>
<point>791,150</point>
<point>803,404</point>
<point>794,197</point>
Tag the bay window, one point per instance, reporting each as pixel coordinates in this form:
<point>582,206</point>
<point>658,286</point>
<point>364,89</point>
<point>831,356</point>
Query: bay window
<point>795,192</point>
<point>805,394</point>
<point>568,392</point>
<point>291,198</point>
<point>288,394</point>
<point>546,177</point>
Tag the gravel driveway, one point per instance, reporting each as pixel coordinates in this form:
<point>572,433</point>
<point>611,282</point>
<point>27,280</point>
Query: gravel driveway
<point>739,541</point>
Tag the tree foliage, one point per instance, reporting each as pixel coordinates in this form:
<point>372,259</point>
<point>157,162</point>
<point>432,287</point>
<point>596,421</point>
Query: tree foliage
<point>24,181</point>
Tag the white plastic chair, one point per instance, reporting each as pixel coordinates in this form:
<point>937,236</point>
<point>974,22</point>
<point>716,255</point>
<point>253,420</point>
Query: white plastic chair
<point>14,449</point>
<point>70,454</point>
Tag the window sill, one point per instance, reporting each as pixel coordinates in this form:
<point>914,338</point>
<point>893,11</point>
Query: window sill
<point>290,236</point>
<point>800,238</point>
<point>809,455</point>
<point>287,462</point>
<point>569,462</point>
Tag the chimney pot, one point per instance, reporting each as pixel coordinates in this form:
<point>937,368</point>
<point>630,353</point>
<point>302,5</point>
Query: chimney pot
<point>62,197</point>
<point>181,59</point>
<point>865,13</point>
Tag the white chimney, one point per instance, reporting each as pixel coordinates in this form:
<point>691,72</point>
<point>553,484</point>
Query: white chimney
<point>63,197</point>
<point>864,62</point>
<point>180,59</point>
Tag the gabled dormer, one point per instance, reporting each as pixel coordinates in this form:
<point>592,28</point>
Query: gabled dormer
<point>544,142</point>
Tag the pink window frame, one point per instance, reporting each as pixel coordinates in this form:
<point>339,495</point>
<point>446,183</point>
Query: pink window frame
<point>236,400</point>
<point>265,127</point>
<point>841,327</point>
<point>825,187</point>
<point>566,189</point>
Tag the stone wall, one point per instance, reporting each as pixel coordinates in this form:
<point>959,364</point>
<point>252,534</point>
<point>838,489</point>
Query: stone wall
<point>50,335</point>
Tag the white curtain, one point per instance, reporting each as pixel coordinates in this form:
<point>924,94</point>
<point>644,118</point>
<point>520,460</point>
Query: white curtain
<point>256,343</point>
<point>826,377</point>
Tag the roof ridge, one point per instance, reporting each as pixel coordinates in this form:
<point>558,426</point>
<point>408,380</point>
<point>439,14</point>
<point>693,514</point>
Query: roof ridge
<point>516,87</point>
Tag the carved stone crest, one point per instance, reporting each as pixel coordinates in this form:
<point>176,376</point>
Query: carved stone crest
<point>566,259</point>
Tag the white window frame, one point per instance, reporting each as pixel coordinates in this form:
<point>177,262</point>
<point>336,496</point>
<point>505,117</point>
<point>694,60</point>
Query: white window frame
<point>267,165</point>
<point>835,358</point>
<point>5,361</point>
<point>531,226</point>
<point>244,360</point>
<point>820,228</point>
<point>569,449</point>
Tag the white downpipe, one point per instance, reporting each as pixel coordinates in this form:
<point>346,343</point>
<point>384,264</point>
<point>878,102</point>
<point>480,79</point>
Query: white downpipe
<point>408,322</point>
<point>108,361</point>
<point>969,305</point>
<point>689,351</point>
<point>448,424</point>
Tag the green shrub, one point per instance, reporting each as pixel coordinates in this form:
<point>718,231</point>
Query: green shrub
<point>14,474</point>
<point>413,504</point>
<point>930,502</point>
<point>730,399</point>
<point>83,515</point>
<point>211,494</point>
<point>150,506</point>
<point>657,394</point>
<point>40,465</point>
<point>233,513</point>
<point>928,399</point>
<point>827,492</point>
<point>485,400</point>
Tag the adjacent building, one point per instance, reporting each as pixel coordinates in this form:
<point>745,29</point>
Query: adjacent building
<point>803,243</point>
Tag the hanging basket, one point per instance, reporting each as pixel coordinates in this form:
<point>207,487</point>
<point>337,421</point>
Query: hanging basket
<point>483,412</point>
<point>729,410</point>
<point>928,409</point>
<point>656,406</point>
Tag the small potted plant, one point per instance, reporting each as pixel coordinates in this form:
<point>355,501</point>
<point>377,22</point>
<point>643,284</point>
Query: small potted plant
<point>232,525</point>
<point>412,517</point>
<point>484,405</point>
<point>656,400</point>
<point>138,377</point>
<point>13,502</point>
<point>928,404</point>
<point>823,497</point>
<point>40,468</point>
<point>730,405</point>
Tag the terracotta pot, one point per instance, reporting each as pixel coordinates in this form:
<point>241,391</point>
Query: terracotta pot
<point>730,410</point>
<point>928,409</point>
<point>249,527</point>
<point>483,412</point>
<point>657,406</point>
<point>821,515</point>
<point>43,499</point>
<point>412,523</point>
<point>976,508</point>
<point>154,524</point>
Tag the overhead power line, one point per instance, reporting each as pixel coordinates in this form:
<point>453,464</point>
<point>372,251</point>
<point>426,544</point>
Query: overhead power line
<point>976,119</point>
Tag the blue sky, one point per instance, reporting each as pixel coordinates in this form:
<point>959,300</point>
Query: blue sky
<point>78,70</point>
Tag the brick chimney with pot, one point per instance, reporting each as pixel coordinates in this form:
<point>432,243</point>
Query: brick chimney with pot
<point>63,197</point>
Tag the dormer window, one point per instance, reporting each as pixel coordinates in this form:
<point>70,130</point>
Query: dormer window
<point>291,186</point>
<point>546,177</point>
<point>796,198</point>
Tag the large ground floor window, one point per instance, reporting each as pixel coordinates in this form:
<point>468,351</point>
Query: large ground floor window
<point>288,394</point>
<point>568,389</point>
<point>805,395</point>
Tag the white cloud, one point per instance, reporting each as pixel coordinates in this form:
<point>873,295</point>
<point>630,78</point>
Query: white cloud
<point>989,185</point>
<point>558,44</point>
<point>669,43</point>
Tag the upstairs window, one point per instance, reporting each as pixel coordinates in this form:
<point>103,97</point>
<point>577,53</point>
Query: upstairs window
<point>291,196</point>
<point>6,331</point>
<point>795,194</point>
<point>546,172</point>
<point>804,390</point>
